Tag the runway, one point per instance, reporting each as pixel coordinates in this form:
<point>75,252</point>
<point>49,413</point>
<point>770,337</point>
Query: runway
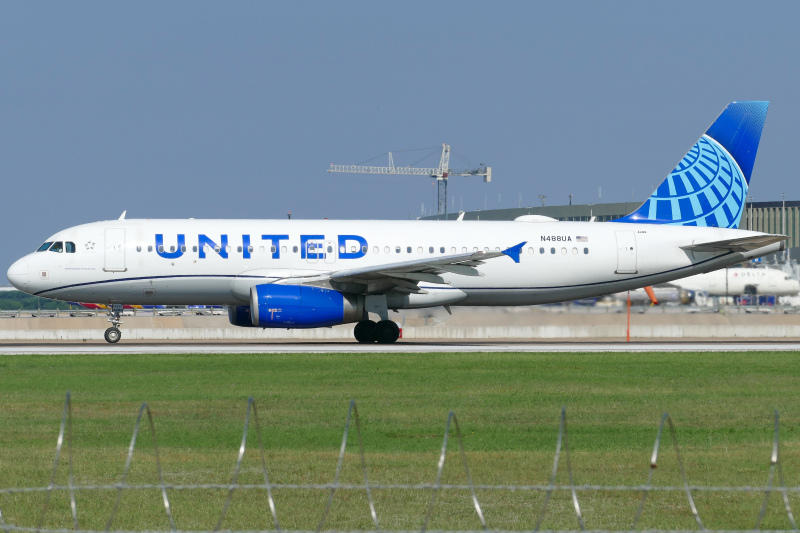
<point>130,347</point>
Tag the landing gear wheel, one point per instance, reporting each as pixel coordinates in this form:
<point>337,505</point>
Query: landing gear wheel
<point>365,331</point>
<point>113,335</point>
<point>386,332</point>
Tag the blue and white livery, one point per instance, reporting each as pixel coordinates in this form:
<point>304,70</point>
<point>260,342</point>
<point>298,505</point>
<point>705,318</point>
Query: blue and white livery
<point>319,273</point>
<point>709,185</point>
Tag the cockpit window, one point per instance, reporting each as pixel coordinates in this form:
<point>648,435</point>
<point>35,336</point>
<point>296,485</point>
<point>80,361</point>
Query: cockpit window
<point>45,246</point>
<point>70,247</point>
<point>57,247</point>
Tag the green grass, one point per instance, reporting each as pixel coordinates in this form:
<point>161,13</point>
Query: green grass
<point>507,404</point>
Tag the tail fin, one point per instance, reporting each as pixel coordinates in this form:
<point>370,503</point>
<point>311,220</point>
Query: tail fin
<point>709,185</point>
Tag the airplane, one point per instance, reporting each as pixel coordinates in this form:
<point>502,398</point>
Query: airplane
<point>320,273</point>
<point>741,281</point>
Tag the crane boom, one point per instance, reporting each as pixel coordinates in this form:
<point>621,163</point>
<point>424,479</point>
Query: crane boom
<point>439,174</point>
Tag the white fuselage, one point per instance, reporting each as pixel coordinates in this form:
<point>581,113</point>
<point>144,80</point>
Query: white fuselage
<point>121,262</point>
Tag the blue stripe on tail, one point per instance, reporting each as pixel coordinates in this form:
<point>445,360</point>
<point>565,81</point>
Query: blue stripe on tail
<point>709,186</point>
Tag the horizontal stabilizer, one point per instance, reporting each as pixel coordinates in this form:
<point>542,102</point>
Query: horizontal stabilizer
<point>742,244</point>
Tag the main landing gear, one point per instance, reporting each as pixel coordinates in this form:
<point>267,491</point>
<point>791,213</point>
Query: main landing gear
<point>113,334</point>
<point>383,332</point>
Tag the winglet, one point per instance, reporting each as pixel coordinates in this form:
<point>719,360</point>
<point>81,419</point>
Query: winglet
<point>122,216</point>
<point>514,251</point>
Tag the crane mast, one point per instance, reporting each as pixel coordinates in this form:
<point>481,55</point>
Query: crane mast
<point>440,174</point>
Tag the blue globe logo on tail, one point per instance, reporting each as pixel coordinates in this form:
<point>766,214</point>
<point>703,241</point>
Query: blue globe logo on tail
<point>709,186</point>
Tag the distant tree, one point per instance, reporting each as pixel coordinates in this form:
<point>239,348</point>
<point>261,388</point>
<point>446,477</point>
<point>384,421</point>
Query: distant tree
<point>10,300</point>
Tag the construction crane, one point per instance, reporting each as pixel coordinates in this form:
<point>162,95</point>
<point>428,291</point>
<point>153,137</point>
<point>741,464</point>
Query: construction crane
<point>439,174</point>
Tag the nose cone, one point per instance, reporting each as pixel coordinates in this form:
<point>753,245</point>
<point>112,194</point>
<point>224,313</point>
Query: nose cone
<point>18,274</point>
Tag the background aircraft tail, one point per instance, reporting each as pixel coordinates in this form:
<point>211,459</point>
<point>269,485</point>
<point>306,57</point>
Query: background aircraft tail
<point>709,185</point>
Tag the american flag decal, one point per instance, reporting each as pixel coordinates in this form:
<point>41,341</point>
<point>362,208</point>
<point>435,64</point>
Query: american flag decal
<point>582,239</point>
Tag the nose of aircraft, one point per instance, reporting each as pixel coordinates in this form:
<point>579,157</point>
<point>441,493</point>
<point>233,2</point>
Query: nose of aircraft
<point>18,274</point>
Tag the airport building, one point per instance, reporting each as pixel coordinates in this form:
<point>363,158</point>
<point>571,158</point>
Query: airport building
<point>769,217</point>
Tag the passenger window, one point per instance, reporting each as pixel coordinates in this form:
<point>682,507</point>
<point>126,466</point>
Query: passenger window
<point>250,249</point>
<point>486,249</point>
<point>430,250</point>
<point>364,249</point>
<point>541,250</point>
<point>586,251</point>
<point>138,248</point>
<point>261,249</point>
<point>238,248</point>
<point>330,249</point>
<point>194,248</point>
<point>273,249</point>
<point>283,249</point>
<point>475,249</point>
<point>172,248</point>
<point>574,251</point>
<point>530,250</point>
<point>419,249</point>
<point>228,249</point>
<point>183,248</point>
<point>352,249</point>
<point>161,249</point>
<point>552,250</point>
<point>464,250</point>
<point>57,247</point>
<point>397,250</point>
<point>375,249</point>
<point>150,248</point>
<point>386,250</point>
<point>294,249</point>
<point>46,246</point>
<point>563,251</point>
<point>441,250</point>
<point>217,249</point>
<point>70,247</point>
<point>408,249</point>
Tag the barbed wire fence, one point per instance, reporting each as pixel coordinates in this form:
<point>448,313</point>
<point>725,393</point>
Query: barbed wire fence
<point>251,418</point>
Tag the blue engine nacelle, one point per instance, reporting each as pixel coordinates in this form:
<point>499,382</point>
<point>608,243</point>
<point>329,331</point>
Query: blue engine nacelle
<point>239,315</point>
<point>302,306</point>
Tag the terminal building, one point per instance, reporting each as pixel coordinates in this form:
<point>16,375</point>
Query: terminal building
<point>769,217</point>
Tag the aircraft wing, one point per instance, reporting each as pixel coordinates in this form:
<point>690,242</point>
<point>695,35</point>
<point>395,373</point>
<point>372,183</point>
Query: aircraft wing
<point>404,276</point>
<point>742,244</point>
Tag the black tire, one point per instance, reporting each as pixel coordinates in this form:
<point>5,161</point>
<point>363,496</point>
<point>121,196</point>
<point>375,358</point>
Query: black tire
<point>365,331</point>
<point>387,332</point>
<point>113,335</point>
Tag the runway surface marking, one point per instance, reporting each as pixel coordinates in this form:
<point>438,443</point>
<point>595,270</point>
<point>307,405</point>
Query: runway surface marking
<point>404,347</point>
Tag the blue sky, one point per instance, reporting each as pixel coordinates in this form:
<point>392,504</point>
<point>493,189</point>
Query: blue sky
<point>236,109</point>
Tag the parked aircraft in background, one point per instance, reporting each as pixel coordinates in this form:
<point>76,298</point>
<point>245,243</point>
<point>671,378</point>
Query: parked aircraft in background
<point>741,281</point>
<point>318,273</point>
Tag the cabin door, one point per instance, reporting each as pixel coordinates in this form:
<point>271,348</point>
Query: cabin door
<point>115,250</point>
<point>626,252</point>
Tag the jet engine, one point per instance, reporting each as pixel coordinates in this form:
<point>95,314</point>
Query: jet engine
<point>239,315</point>
<point>302,306</point>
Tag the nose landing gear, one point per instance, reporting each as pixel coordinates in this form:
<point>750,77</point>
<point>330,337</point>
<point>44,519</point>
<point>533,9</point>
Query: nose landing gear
<point>113,334</point>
